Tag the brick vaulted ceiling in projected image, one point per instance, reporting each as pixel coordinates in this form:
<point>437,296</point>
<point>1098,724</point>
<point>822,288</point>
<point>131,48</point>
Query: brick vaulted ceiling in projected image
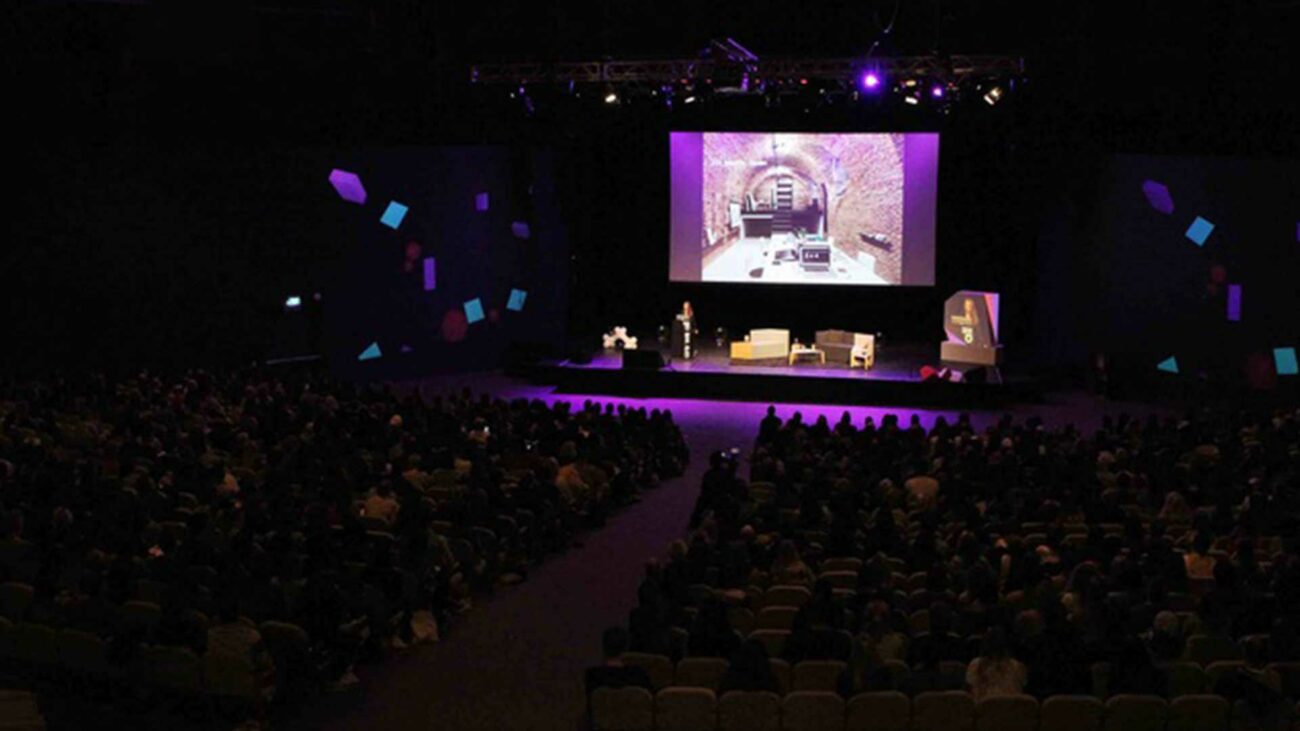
<point>862,175</point>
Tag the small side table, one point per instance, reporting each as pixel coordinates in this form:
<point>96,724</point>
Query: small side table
<point>809,352</point>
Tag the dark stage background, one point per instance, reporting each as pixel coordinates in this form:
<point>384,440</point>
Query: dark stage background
<point>168,168</point>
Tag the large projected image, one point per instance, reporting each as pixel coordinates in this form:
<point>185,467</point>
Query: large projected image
<point>803,208</point>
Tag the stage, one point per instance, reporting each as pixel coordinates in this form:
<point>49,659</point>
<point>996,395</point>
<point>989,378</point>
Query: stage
<point>895,380</point>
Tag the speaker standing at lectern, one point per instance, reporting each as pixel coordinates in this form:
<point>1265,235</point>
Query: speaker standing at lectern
<point>684,333</point>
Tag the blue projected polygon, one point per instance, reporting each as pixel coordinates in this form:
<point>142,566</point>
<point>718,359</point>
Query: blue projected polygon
<point>474,310</point>
<point>393,215</point>
<point>370,353</point>
<point>516,301</point>
<point>1285,359</point>
<point>1199,231</point>
<point>1168,365</point>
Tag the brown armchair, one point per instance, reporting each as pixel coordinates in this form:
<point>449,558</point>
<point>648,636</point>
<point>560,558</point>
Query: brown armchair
<point>837,344</point>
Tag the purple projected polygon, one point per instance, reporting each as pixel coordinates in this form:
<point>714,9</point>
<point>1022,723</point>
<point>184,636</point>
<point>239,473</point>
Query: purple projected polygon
<point>1158,196</point>
<point>430,274</point>
<point>393,215</point>
<point>474,310</point>
<point>516,302</point>
<point>520,229</point>
<point>1285,360</point>
<point>1199,231</point>
<point>1234,302</point>
<point>348,186</point>
<point>481,202</point>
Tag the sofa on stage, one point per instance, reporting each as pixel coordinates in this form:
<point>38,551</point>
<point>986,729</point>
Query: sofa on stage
<point>849,348</point>
<point>763,345</point>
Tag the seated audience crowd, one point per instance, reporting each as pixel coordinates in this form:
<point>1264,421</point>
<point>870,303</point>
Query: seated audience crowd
<point>1154,557</point>
<point>291,525</point>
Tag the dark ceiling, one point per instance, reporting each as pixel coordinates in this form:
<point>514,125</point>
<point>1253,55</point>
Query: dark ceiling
<point>1213,75</point>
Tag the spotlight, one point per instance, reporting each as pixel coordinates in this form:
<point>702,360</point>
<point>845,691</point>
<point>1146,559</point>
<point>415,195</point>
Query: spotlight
<point>994,95</point>
<point>870,81</point>
<point>936,91</point>
<point>611,97</point>
<point>689,100</point>
<point>911,99</point>
<point>293,303</point>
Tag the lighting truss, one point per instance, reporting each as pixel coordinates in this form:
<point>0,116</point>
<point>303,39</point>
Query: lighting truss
<point>841,70</point>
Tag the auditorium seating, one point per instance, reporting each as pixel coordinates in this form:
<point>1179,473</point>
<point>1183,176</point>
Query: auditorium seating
<point>1076,550</point>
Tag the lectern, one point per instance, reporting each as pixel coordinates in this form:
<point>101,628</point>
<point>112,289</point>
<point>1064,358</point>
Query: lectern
<point>683,338</point>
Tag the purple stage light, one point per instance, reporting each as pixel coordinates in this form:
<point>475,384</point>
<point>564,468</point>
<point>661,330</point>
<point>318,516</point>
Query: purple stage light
<point>1234,302</point>
<point>520,229</point>
<point>348,186</point>
<point>936,91</point>
<point>870,80</point>
<point>481,202</point>
<point>1158,196</point>
<point>430,274</point>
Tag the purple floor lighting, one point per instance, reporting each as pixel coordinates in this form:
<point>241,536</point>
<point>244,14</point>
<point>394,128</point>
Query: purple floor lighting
<point>371,352</point>
<point>1168,365</point>
<point>430,274</point>
<point>1234,302</point>
<point>393,215</point>
<point>870,81</point>
<point>474,310</point>
<point>520,229</point>
<point>1285,360</point>
<point>481,202</point>
<point>348,186</point>
<point>1158,196</point>
<point>516,302</point>
<point>1199,231</point>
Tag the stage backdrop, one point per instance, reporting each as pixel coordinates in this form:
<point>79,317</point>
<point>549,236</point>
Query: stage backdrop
<point>1175,267</point>
<point>456,255</point>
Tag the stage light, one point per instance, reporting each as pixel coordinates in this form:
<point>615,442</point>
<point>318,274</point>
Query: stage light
<point>611,97</point>
<point>911,99</point>
<point>292,303</point>
<point>870,81</point>
<point>994,95</point>
<point>936,91</point>
<point>689,100</point>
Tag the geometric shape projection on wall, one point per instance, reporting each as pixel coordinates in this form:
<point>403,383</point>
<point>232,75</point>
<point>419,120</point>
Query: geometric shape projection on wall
<point>1168,365</point>
<point>1234,303</point>
<point>430,274</point>
<point>370,353</point>
<point>1285,360</point>
<point>474,310</point>
<point>520,229</point>
<point>516,302</point>
<point>393,215</point>
<point>481,202</point>
<point>1199,231</point>
<point>348,186</point>
<point>1158,196</point>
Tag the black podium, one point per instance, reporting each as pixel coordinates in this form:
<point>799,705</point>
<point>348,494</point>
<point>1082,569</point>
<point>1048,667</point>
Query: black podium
<point>683,338</point>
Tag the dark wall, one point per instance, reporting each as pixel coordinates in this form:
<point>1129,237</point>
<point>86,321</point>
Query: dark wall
<point>375,297</point>
<point>1128,283</point>
<point>142,254</point>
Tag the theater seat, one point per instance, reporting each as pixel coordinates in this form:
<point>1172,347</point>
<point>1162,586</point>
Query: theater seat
<point>1071,713</point>
<point>823,675</point>
<point>700,672</point>
<point>884,711</point>
<point>1136,713</point>
<point>1199,713</point>
<point>946,710</point>
<point>1007,713</point>
<point>686,709</point>
<point>658,667</point>
<point>622,709</point>
<point>741,710</point>
<point>812,711</point>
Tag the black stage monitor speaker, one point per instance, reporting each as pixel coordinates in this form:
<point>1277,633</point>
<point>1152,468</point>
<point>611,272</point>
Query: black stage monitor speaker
<point>644,360</point>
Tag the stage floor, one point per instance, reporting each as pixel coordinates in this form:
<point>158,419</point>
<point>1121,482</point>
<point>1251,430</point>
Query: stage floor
<point>895,379</point>
<point>892,364</point>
